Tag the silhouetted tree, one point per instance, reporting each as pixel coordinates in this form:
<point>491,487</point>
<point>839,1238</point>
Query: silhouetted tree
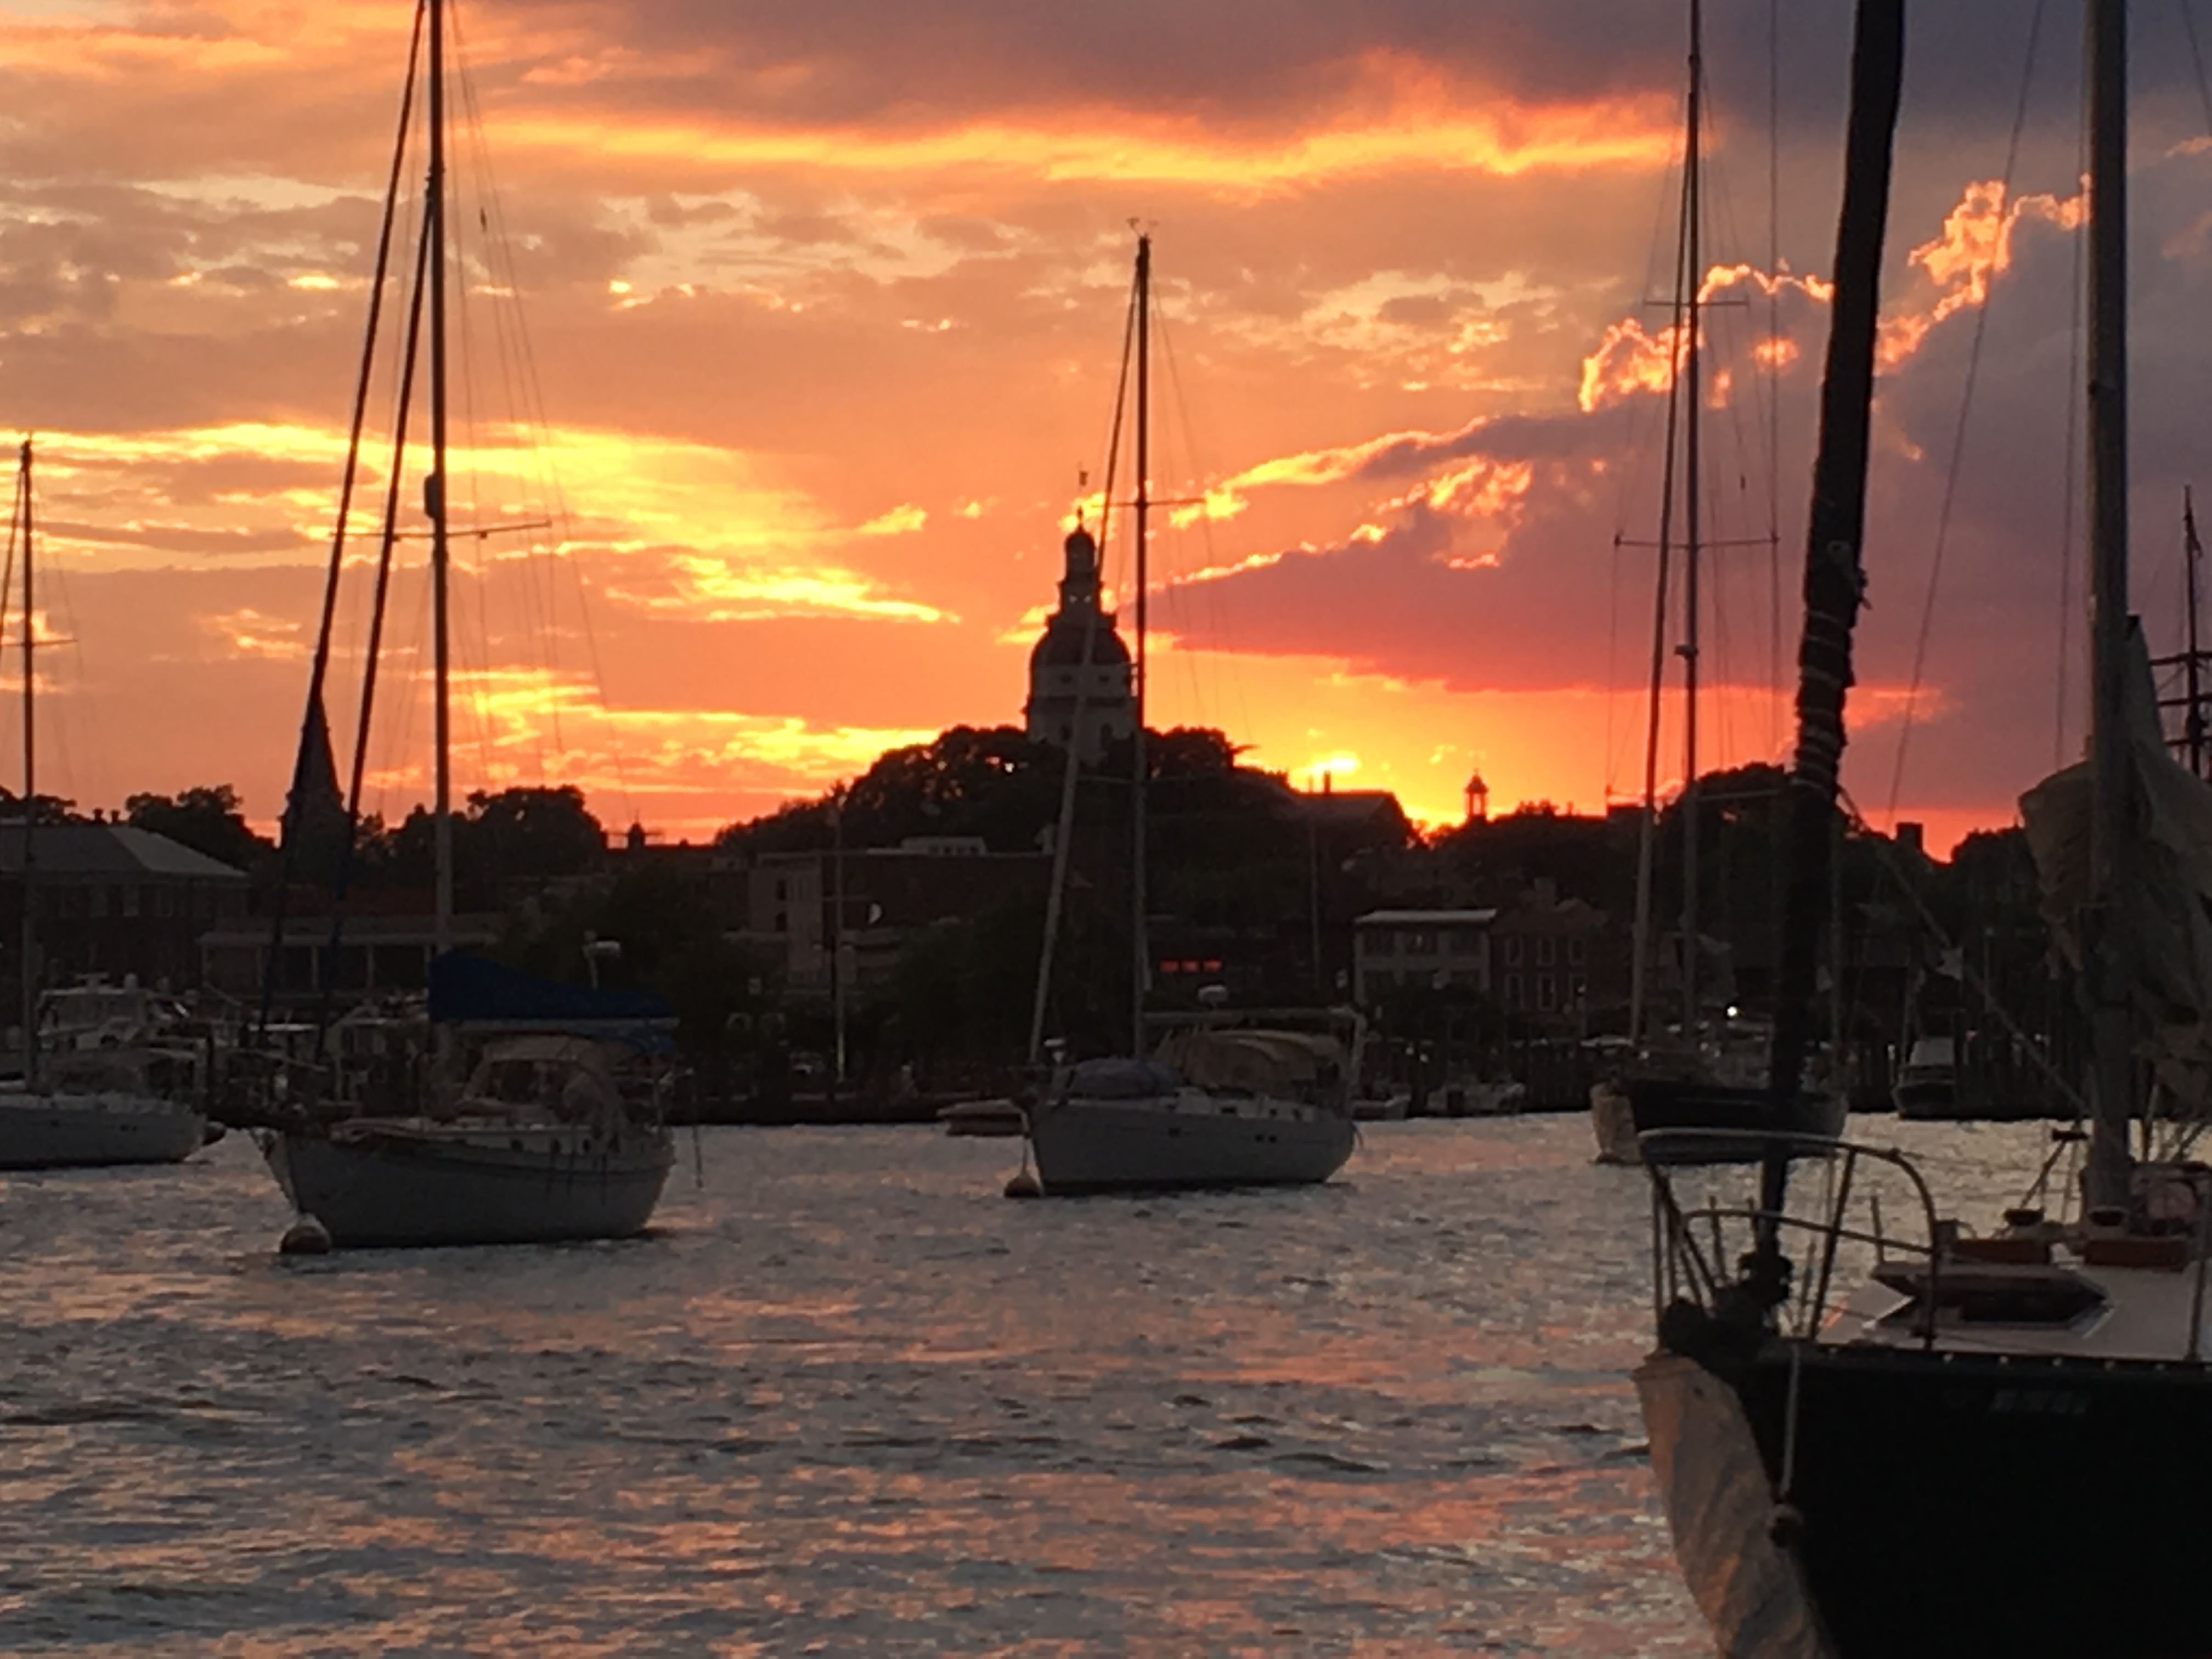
<point>521,835</point>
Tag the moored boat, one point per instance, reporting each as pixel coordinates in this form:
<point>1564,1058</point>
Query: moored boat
<point>546,1140</point>
<point>1215,1108</point>
<point>541,1146</point>
<point>127,1099</point>
<point>983,1117</point>
<point>121,1110</point>
<point>1212,1105</point>
<point>1878,1437</point>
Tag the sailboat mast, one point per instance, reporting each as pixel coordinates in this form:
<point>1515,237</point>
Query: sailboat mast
<point>2193,663</point>
<point>2112,1068</point>
<point>1693,263</point>
<point>435,496</point>
<point>1647,838</point>
<point>30,957</point>
<point>1140,945</point>
<point>1835,585</point>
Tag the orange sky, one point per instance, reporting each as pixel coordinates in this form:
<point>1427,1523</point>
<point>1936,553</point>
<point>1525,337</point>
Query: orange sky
<point>821,314</point>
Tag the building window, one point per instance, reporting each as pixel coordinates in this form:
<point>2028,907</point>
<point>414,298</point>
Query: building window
<point>1513,950</point>
<point>1513,990</point>
<point>1547,951</point>
<point>1547,993</point>
<point>130,901</point>
<point>1579,986</point>
<point>1577,951</point>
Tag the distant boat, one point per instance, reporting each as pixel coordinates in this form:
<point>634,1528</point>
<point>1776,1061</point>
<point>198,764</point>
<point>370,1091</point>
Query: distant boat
<point>1236,1107</point>
<point>1718,1091</point>
<point>133,1100</point>
<point>542,1142</point>
<point>1700,1076</point>
<point>1212,1106</point>
<point>983,1117</point>
<point>1928,1083</point>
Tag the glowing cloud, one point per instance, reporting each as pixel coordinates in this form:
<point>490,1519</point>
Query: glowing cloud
<point>1976,245</point>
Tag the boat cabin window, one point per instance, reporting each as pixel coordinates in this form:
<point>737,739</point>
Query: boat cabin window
<point>1992,1293</point>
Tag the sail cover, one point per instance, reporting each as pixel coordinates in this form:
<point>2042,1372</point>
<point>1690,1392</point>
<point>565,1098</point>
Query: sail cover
<point>2162,909</point>
<point>1259,1061</point>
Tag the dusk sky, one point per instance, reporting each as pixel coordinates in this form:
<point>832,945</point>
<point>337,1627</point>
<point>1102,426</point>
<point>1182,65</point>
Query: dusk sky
<point>824,303</point>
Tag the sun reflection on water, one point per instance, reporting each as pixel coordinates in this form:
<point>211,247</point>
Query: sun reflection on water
<point>848,1399</point>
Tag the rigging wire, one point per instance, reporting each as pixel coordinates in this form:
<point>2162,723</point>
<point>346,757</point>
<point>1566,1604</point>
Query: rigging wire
<point>316,713</point>
<point>1187,595</point>
<point>19,508</point>
<point>464,583</point>
<point>2196,60</point>
<point>1774,683</point>
<point>1632,482</point>
<point>501,290</point>
<point>2068,525</point>
<point>1684,320</point>
<point>1064,837</point>
<point>527,402</point>
<point>1958,432</point>
<point>1893,865</point>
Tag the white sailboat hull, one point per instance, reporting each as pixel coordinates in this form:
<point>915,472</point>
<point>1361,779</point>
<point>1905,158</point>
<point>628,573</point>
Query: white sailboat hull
<point>43,1131</point>
<point>410,1182</point>
<point>1084,1146</point>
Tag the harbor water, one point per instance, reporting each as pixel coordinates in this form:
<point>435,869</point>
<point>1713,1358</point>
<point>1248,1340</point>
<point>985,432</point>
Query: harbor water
<point>848,1399</point>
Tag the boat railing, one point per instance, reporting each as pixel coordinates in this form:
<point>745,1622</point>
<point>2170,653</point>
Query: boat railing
<point>1702,1251</point>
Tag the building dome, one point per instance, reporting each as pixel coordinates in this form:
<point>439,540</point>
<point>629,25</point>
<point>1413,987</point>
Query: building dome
<point>1080,694</point>
<point>1061,645</point>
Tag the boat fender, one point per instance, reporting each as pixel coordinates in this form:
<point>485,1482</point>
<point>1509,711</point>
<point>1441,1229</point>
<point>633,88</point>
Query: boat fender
<point>1024,1185</point>
<point>306,1237</point>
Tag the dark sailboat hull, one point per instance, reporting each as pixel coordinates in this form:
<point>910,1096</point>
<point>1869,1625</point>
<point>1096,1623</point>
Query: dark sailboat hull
<point>402,1184</point>
<point>1930,1098</point>
<point>1955,1504</point>
<point>1733,1123</point>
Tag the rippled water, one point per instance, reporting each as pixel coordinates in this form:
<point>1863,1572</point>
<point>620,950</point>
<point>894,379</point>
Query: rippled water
<point>850,1400</point>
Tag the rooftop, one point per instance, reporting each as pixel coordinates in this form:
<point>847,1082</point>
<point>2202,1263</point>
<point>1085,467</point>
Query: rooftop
<point>1426,919</point>
<point>109,849</point>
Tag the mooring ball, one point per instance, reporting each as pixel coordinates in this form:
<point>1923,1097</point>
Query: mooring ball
<point>306,1237</point>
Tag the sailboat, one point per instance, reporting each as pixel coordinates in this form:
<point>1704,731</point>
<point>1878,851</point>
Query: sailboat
<point>1878,1435</point>
<point>547,1139</point>
<point>1214,1105</point>
<point>1705,1075</point>
<point>133,1104</point>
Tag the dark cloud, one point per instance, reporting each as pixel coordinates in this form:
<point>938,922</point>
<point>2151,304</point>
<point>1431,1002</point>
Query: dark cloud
<point>1530,597</point>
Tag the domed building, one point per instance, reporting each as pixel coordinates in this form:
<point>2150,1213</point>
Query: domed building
<point>1080,691</point>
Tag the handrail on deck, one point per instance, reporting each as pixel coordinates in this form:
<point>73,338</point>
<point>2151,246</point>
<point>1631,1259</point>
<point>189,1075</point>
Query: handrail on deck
<point>1680,1261</point>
